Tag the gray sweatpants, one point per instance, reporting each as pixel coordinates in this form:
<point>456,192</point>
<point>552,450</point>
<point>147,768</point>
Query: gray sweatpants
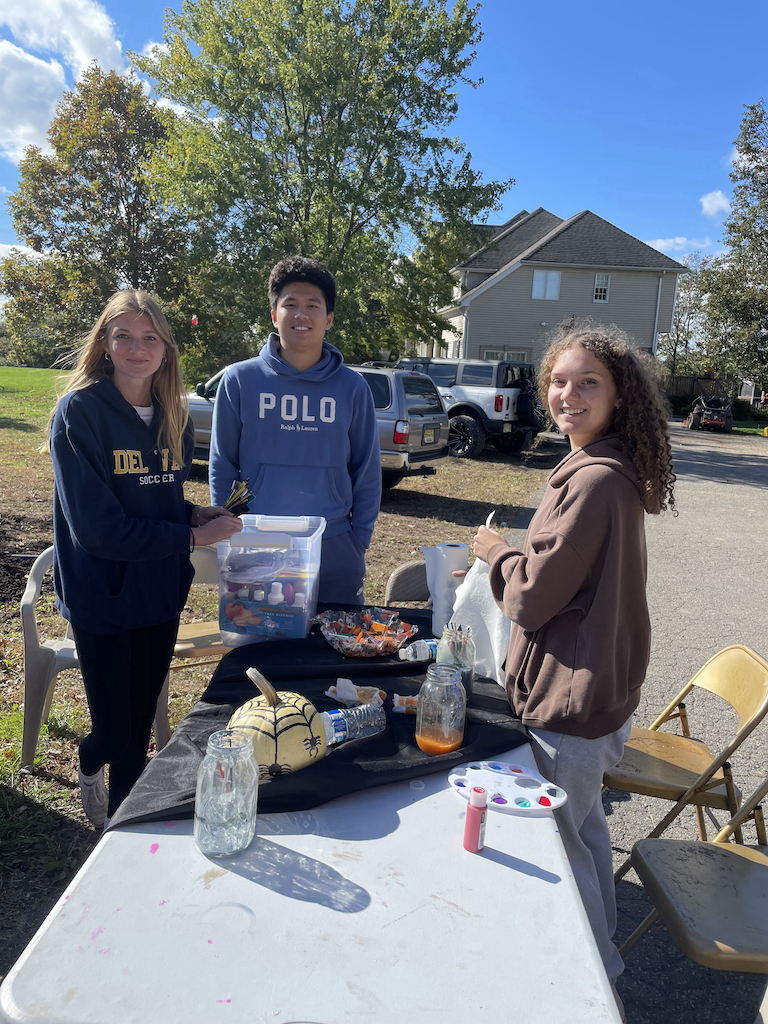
<point>577,765</point>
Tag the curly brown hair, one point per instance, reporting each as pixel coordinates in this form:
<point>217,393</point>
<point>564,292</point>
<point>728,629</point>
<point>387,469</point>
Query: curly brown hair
<point>640,419</point>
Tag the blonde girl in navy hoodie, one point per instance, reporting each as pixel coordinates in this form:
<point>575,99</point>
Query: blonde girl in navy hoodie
<point>575,593</point>
<point>121,444</point>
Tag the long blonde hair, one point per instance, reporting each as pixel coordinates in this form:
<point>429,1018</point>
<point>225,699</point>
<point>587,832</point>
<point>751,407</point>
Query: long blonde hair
<point>641,417</point>
<point>91,364</point>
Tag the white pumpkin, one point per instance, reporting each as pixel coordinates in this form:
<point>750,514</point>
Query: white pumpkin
<point>285,728</point>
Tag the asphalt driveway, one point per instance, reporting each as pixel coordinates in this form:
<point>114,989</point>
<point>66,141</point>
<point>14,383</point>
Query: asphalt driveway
<point>707,588</point>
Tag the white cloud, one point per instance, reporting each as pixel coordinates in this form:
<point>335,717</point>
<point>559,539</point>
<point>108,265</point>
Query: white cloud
<point>151,46</point>
<point>7,250</point>
<point>78,30</point>
<point>177,108</point>
<point>714,203</point>
<point>30,88</point>
<point>680,244</point>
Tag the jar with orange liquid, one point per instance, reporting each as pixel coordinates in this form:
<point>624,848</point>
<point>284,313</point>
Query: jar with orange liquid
<point>441,711</point>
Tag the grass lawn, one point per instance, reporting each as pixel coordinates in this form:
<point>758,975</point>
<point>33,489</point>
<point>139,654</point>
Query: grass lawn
<point>44,836</point>
<point>749,426</point>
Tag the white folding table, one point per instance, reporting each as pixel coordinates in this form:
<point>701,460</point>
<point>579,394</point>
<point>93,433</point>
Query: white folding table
<point>366,909</point>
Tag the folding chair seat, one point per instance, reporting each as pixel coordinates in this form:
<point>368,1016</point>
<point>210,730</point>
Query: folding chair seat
<point>44,660</point>
<point>682,769</point>
<point>407,583</point>
<point>712,897</point>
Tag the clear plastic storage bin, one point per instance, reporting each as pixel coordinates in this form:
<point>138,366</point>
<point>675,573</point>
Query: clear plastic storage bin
<point>268,578</point>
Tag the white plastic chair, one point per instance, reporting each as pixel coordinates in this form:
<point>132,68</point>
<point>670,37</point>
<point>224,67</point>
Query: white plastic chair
<point>43,662</point>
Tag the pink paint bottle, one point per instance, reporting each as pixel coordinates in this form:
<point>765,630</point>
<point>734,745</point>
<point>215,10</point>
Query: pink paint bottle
<point>474,827</point>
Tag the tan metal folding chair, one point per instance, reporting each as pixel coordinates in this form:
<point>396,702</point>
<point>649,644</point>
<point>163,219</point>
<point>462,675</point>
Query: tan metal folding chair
<point>712,897</point>
<point>683,769</point>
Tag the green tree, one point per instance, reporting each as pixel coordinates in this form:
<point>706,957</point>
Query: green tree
<point>681,351</point>
<point>737,285</point>
<point>320,127</point>
<point>90,212</point>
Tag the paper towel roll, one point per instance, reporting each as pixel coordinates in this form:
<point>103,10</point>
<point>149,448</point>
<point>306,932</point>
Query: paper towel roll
<point>441,562</point>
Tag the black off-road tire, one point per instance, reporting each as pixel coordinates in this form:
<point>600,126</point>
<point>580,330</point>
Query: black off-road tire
<point>390,478</point>
<point>466,438</point>
<point>728,423</point>
<point>694,421</point>
<point>530,411</point>
<point>510,444</point>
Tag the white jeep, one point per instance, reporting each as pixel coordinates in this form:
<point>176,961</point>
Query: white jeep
<point>486,401</point>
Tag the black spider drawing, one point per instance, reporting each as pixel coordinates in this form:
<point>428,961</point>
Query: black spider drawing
<point>312,743</point>
<point>273,770</point>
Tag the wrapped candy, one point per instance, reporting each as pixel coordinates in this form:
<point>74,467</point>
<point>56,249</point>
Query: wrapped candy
<point>366,633</point>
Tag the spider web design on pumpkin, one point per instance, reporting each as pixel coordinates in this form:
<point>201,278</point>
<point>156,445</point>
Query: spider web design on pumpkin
<point>274,721</point>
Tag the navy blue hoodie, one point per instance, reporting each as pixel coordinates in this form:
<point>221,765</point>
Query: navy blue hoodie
<point>306,441</point>
<point>121,533</point>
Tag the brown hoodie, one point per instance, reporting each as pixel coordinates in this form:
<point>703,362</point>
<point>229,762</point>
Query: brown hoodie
<point>576,596</point>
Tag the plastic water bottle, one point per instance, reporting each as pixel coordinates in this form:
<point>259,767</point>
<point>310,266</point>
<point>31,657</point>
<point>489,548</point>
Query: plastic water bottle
<point>419,650</point>
<point>353,723</point>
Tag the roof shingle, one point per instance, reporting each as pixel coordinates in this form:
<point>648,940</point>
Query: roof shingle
<point>588,239</point>
<point>514,237</point>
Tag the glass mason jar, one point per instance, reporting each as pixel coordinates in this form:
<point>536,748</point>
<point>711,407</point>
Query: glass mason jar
<point>227,793</point>
<point>441,710</point>
<point>457,648</point>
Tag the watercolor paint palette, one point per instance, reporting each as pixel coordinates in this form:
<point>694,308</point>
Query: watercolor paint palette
<point>511,787</point>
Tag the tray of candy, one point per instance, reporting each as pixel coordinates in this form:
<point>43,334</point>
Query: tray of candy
<point>367,633</point>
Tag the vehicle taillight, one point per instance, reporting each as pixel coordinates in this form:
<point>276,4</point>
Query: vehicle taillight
<point>402,432</point>
<point>498,405</point>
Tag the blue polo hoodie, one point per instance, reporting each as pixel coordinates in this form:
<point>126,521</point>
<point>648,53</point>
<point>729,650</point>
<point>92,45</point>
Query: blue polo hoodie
<point>121,533</point>
<point>306,441</point>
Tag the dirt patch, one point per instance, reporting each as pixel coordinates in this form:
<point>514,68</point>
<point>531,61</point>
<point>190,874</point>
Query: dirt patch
<point>22,538</point>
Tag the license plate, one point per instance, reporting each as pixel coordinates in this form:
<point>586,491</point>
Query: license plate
<point>429,435</point>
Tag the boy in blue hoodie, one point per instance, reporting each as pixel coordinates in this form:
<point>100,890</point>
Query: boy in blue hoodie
<point>301,427</point>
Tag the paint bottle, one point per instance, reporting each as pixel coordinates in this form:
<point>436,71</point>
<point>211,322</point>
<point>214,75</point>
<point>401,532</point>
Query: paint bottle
<point>474,827</point>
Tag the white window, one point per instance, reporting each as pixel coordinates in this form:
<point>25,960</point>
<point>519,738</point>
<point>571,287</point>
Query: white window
<point>602,287</point>
<point>504,355</point>
<point>546,284</point>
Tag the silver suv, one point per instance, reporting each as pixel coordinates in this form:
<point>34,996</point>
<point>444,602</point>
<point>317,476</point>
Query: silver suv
<point>413,425</point>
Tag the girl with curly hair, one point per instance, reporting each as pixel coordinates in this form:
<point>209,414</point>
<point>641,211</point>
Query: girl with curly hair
<point>575,593</point>
<point>121,444</point>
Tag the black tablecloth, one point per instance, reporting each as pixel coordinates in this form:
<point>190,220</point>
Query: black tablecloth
<point>166,790</point>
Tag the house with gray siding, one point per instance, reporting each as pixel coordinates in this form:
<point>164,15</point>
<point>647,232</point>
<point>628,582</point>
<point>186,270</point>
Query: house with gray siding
<point>538,271</point>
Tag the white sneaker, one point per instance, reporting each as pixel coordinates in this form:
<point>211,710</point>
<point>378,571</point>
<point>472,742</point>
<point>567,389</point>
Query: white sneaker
<point>95,797</point>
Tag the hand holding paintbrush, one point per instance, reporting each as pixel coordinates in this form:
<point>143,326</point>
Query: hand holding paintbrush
<point>239,498</point>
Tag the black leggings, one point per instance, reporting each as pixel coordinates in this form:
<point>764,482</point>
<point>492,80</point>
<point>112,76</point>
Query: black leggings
<point>123,675</point>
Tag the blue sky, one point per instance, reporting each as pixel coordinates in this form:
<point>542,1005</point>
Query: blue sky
<point>629,110</point>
